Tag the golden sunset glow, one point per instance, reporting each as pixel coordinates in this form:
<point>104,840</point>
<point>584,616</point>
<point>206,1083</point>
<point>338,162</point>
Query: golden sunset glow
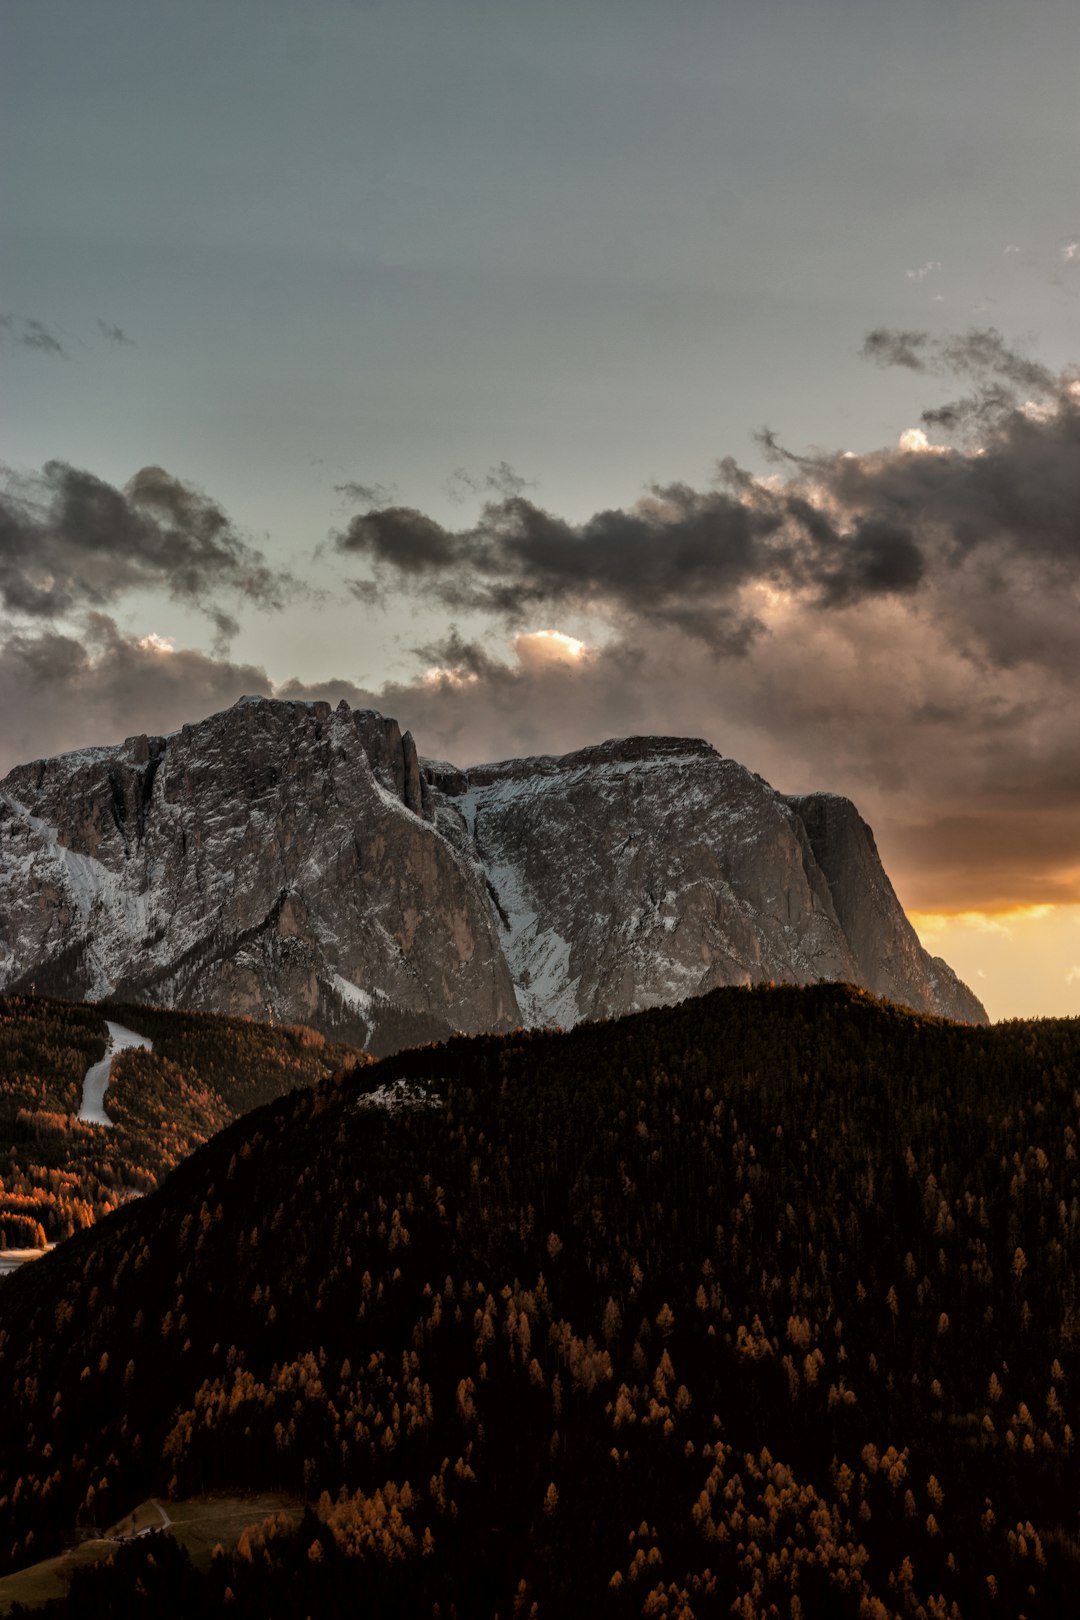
<point>1022,963</point>
<point>437,677</point>
<point>535,647</point>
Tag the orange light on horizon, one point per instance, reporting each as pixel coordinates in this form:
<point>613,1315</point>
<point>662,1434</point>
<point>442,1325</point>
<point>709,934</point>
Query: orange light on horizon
<point>991,921</point>
<point>1021,961</point>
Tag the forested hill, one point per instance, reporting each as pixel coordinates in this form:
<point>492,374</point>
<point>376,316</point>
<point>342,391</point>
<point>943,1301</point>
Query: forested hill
<point>58,1174</point>
<point>766,1299</point>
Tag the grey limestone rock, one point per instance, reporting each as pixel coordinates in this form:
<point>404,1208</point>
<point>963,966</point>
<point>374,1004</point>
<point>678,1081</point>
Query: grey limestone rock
<point>270,863</point>
<point>290,859</point>
<point>649,869</point>
<point>891,961</point>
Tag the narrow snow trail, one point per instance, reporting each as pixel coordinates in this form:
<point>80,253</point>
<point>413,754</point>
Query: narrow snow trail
<point>92,1111</point>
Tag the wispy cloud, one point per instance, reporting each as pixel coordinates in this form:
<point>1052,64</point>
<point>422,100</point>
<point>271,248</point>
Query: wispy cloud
<point>114,334</point>
<point>32,334</point>
<point>501,480</point>
<point>366,494</point>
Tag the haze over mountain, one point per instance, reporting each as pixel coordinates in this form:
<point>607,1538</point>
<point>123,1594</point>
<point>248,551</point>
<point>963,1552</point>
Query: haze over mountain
<point>287,857</point>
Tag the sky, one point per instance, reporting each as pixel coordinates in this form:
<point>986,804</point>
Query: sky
<point>538,373</point>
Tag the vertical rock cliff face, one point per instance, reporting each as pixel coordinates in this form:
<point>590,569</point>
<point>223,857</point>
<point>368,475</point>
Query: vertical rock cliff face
<point>266,859</point>
<point>287,858</point>
<point>646,870</point>
<point>890,959</point>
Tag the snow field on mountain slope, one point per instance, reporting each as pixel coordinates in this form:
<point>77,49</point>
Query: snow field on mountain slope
<point>121,1038</point>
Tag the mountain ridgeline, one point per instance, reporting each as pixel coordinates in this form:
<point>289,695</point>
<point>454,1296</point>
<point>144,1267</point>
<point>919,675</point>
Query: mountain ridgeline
<point>304,860</point>
<point>763,1304</point>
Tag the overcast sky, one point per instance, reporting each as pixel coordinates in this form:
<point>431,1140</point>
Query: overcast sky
<point>351,347</point>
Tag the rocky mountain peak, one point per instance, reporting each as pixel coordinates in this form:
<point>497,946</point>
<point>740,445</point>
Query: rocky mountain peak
<point>288,855</point>
<point>639,751</point>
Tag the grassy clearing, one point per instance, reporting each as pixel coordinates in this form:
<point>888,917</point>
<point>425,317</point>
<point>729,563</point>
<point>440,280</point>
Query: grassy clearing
<point>51,1578</point>
<point>199,1524</point>
<point>147,1516</point>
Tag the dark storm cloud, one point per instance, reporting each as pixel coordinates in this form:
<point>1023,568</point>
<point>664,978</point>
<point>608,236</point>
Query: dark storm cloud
<point>984,355</point>
<point>881,558</point>
<point>900,625</point>
<point>680,558</point>
<point>464,657</point>
<point>70,540</point>
<point>114,334</point>
<point>400,536</point>
<point>984,535</point>
<point>1013,500</point>
<point>1030,857</point>
<point>519,558</point>
<point>116,684</point>
<point>31,334</point>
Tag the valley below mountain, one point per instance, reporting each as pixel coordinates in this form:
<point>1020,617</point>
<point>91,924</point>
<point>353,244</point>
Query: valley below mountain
<point>156,1095</point>
<point>761,1303</point>
<point>296,861</point>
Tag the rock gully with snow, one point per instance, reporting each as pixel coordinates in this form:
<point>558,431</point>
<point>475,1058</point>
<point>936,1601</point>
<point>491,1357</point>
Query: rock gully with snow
<point>289,859</point>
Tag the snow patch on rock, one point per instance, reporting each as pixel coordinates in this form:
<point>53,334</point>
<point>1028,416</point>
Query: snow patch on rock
<point>398,1096</point>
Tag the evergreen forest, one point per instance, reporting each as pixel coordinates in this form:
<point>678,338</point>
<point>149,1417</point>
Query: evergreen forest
<point>59,1174</point>
<point>766,1304</point>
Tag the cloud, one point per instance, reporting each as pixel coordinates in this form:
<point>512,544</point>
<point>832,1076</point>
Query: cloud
<point>897,625</point>
<point>679,558</point>
<point>1001,375</point>
<point>535,647</point>
<point>981,535</point>
<point>114,334</point>
<point>69,540</point>
<point>501,480</point>
<point>924,270</point>
<point>60,691</point>
<point>365,494</point>
<point>32,334</point>
<point>890,347</point>
<point>981,354</point>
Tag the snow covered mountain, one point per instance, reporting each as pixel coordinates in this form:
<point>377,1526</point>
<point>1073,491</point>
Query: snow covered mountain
<point>288,858</point>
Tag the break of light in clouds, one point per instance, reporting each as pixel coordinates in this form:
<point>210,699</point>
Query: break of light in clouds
<point>264,344</point>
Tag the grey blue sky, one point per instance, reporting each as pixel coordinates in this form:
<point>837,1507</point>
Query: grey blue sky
<point>276,248</point>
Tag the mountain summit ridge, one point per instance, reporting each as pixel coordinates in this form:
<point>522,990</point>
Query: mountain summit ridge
<point>290,856</point>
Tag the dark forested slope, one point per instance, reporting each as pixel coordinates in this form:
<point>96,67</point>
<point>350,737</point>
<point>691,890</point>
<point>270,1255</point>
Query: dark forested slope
<point>769,1298</point>
<point>58,1174</point>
